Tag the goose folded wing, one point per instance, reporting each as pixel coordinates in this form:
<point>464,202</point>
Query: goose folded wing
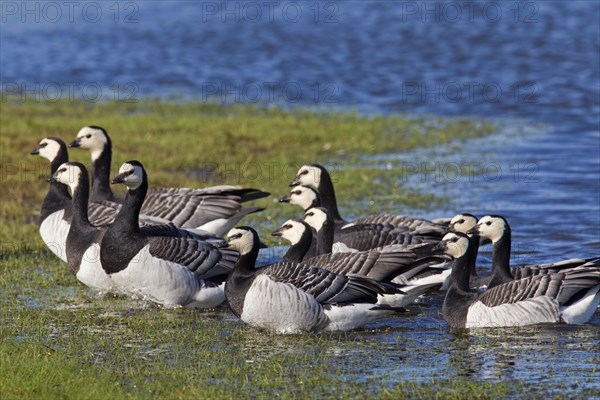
<point>202,258</point>
<point>326,286</point>
<point>370,239</point>
<point>190,210</point>
<point>245,194</point>
<point>373,264</point>
<point>416,226</point>
<point>523,289</point>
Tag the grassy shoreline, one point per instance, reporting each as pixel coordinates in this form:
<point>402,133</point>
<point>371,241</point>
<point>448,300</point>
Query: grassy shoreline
<point>59,341</point>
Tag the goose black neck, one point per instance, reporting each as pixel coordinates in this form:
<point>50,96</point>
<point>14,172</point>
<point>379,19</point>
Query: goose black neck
<point>101,175</point>
<point>325,238</point>
<point>501,260</point>
<point>461,271</point>
<point>474,244</point>
<point>128,218</point>
<point>58,196</point>
<point>297,251</point>
<point>81,194</point>
<point>327,194</point>
<point>247,262</point>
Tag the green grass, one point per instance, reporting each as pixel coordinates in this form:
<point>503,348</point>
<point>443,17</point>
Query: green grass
<point>59,341</point>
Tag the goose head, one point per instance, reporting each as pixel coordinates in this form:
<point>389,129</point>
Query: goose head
<point>454,244</point>
<point>303,196</point>
<point>462,222</point>
<point>308,175</point>
<point>131,174</point>
<point>92,138</point>
<point>316,217</point>
<point>243,239</point>
<point>70,174</point>
<point>50,148</point>
<point>291,230</point>
<point>492,227</point>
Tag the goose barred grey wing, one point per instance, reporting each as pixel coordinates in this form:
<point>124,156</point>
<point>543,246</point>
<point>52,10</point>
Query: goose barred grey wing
<point>559,286</point>
<point>190,211</point>
<point>202,258</point>
<point>382,265</point>
<point>356,237</point>
<point>524,271</point>
<point>414,226</point>
<point>325,286</point>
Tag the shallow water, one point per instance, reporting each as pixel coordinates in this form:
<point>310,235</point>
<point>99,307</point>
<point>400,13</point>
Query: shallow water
<point>533,70</point>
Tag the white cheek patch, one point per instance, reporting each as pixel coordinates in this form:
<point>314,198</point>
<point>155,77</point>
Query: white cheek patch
<point>494,231</point>
<point>70,177</point>
<point>312,178</point>
<point>50,151</point>
<point>293,234</point>
<point>243,244</point>
<point>317,220</point>
<point>305,199</point>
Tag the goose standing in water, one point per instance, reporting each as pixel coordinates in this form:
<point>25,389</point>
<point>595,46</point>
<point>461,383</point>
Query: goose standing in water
<point>214,209</point>
<point>496,229</point>
<point>385,264</point>
<point>317,177</point>
<point>171,271</point>
<point>291,298</point>
<point>571,296</point>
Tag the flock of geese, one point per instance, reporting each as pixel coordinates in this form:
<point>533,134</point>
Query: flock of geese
<point>183,247</point>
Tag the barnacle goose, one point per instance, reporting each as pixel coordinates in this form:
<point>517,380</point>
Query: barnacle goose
<point>496,229</point>
<point>83,239</point>
<point>214,209</point>
<point>430,272</point>
<point>384,264</point>
<point>291,298</point>
<point>317,177</point>
<point>55,214</point>
<point>354,237</point>
<point>170,271</point>
<point>572,296</point>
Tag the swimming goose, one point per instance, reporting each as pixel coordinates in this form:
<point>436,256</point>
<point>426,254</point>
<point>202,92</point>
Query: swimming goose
<point>431,271</point>
<point>385,264</point>
<point>166,270</point>
<point>496,229</point>
<point>214,209</point>
<point>317,177</point>
<point>83,239</point>
<point>571,297</point>
<point>291,298</point>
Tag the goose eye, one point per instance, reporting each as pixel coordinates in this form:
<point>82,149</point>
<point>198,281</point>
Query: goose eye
<point>304,172</point>
<point>462,221</point>
<point>88,136</point>
<point>311,214</point>
<point>297,192</point>
<point>43,145</point>
<point>488,223</point>
<point>62,170</point>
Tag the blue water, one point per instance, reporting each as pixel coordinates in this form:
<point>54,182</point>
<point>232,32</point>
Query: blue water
<point>531,67</point>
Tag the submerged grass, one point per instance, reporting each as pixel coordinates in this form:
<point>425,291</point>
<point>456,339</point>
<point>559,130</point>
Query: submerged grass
<point>57,340</point>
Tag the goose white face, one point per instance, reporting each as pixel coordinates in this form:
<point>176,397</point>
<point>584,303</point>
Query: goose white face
<point>292,231</point>
<point>92,139</point>
<point>133,175</point>
<point>303,196</point>
<point>309,176</point>
<point>491,228</point>
<point>462,223</point>
<point>241,240</point>
<point>455,245</point>
<point>68,174</point>
<point>48,149</point>
<point>315,218</point>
